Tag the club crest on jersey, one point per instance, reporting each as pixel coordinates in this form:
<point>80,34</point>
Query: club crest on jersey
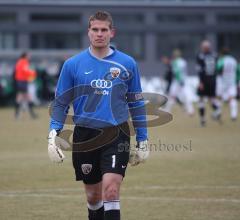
<point>86,168</point>
<point>115,72</point>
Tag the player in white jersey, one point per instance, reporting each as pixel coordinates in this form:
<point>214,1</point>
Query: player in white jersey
<point>227,84</point>
<point>238,81</point>
<point>178,87</point>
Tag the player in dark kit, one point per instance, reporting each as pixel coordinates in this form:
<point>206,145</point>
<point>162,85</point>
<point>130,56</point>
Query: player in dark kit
<point>104,85</point>
<point>206,67</point>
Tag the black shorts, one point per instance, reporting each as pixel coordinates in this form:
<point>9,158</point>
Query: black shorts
<point>209,87</point>
<point>22,86</point>
<point>111,158</point>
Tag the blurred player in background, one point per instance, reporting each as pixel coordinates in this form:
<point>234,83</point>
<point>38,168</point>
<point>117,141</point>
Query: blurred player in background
<point>168,76</point>
<point>108,77</point>
<point>23,75</point>
<point>238,81</point>
<point>32,92</point>
<point>227,88</point>
<point>178,86</point>
<point>206,68</point>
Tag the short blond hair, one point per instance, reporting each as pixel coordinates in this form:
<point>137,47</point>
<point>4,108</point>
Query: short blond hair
<point>101,16</point>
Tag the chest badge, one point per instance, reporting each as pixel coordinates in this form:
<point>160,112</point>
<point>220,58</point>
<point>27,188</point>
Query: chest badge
<point>115,72</point>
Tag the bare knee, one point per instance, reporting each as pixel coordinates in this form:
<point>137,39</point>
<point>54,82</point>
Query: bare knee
<point>93,193</point>
<point>111,187</point>
<point>93,197</point>
<point>111,192</point>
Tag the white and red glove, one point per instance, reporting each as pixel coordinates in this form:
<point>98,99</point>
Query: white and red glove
<point>55,146</point>
<point>139,153</point>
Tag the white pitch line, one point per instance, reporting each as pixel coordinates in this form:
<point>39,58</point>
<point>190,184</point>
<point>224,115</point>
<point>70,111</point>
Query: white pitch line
<point>38,195</point>
<point>173,199</point>
<point>137,198</point>
<point>153,187</point>
<point>32,191</point>
<point>183,187</point>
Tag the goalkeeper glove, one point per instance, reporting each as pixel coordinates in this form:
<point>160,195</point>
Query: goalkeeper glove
<point>139,154</point>
<point>54,152</point>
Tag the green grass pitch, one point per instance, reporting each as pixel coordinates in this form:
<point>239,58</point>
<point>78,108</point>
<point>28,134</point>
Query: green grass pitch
<point>193,173</point>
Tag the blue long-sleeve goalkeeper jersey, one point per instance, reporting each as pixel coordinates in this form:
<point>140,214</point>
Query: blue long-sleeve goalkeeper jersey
<point>102,91</point>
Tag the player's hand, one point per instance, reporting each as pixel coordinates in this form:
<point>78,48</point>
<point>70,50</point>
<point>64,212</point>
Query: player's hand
<point>139,154</point>
<point>54,152</point>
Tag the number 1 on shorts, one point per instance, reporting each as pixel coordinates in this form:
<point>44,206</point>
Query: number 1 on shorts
<point>113,161</point>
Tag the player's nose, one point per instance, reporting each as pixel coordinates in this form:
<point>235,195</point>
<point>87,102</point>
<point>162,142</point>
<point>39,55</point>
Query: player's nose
<point>99,33</point>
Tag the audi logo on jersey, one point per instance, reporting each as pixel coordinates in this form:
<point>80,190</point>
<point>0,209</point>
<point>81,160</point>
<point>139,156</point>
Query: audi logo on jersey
<point>101,84</point>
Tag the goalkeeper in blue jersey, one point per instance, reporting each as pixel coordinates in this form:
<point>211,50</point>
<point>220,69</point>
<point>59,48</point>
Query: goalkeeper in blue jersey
<point>103,85</point>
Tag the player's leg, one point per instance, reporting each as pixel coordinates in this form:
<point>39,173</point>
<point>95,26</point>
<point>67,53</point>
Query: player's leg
<point>89,172</point>
<point>115,157</point>
<point>87,169</point>
<point>189,108</point>
<point>214,91</point>
<point>216,106</point>
<point>203,92</point>
<point>20,97</point>
<point>18,104</point>
<point>172,96</point>
<point>202,110</point>
<point>111,188</point>
<point>233,105</point>
<point>30,103</point>
<point>233,108</point>
<point>94,201</point>
<point>31,110</point>
<point>187,102</point>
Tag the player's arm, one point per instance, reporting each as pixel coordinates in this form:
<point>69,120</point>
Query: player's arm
<point>200,67</point>
<point>30,74</point>
<point>238,74</point>
<point>138,113</point>
<point>219,66</point>
<point>58,112</point>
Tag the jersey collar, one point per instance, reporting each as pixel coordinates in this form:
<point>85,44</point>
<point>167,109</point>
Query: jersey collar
<point>112,50</point>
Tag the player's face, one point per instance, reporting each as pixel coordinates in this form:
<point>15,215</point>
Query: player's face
<point>100,34</point>
<point>205,47</point>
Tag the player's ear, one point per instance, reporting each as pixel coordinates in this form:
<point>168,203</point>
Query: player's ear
<point>88,31</point>
<point>113,32</point>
